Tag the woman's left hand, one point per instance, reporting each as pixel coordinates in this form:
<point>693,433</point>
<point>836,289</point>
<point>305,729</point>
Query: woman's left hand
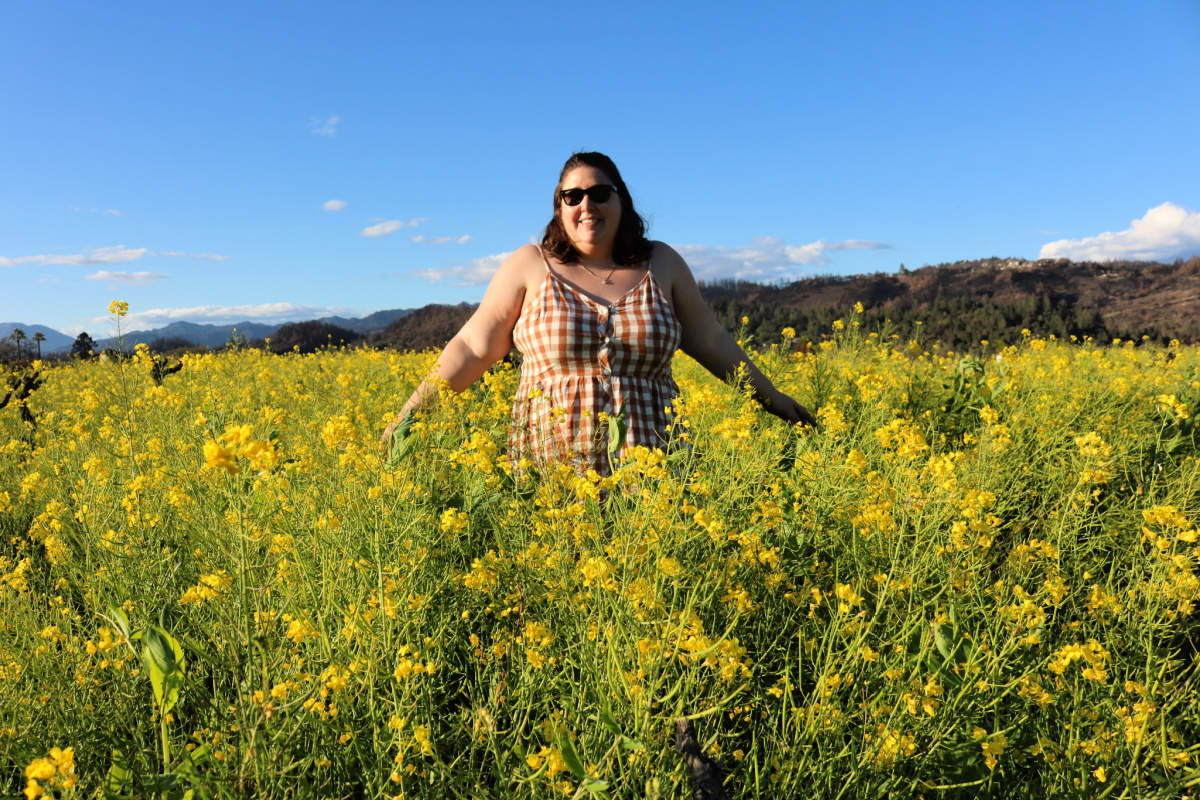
<point>789,410</point>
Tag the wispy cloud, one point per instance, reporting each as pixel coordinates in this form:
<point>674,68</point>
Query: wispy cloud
<point>205,256</point>
<point>118,254</point>
<point>333,205</point>
<point>110,211</point>
<point>325,127</point>
<point>269,313</point>
<point>127,278</point>
<point>441,239</point>
<point>1166,232</point>
<point>101,255</point>
<point>766,258</point>
<point>474,273</point>
<point>391,226</point>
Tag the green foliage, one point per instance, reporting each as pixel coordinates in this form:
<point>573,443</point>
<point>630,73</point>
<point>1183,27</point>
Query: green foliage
<point>977,578</point>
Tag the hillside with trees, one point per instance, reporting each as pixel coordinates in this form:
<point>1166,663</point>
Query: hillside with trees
<point>310,336</point>
<point>429,327</point>
<point>962,303</point>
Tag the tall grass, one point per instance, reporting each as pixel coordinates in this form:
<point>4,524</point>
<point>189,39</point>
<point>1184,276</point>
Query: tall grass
<point>977,578</point>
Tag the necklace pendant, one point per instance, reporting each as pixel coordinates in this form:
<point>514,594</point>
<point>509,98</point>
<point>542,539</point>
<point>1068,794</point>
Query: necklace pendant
<point>605,280</point>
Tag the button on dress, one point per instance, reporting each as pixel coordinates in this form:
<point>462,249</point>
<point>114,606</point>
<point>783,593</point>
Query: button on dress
<point>581,358</point>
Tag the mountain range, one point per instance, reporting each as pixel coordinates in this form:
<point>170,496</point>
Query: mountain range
<point>202,333</point>
<point>54,339</point>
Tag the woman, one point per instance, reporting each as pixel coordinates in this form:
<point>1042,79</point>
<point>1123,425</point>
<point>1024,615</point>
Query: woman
<point>597,311</point>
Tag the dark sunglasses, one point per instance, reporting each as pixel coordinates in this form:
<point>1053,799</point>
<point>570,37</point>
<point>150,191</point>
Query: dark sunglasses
<point>597,194</point>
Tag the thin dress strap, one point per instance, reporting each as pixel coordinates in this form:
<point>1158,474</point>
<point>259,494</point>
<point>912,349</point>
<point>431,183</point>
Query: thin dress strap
<point>545,260</point>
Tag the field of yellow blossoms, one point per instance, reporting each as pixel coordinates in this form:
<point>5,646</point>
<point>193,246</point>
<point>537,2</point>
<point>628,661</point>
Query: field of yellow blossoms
<point>977,578</point>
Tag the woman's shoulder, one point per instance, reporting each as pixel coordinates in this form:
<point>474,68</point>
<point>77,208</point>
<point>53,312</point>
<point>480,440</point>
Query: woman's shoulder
<point>667,264</point>
<point>522,266</point>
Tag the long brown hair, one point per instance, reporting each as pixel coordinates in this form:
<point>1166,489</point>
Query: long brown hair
<point>630,248</point>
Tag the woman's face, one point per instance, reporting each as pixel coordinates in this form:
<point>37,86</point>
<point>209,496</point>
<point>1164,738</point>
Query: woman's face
<point>590,225</point>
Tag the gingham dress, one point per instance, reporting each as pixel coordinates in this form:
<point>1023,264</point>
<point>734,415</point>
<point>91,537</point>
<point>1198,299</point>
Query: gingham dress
<point>580,358</point>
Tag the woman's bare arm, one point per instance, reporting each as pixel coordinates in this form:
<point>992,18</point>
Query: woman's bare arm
<point>711,345</point>
<point>485,338</point>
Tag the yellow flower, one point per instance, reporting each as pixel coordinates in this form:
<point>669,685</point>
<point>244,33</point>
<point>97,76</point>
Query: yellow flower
<point>118,307</point>
<point>40,769</point>
<point>789,333</point>
<point>1100,776</point>
<point>217,456</point>
<point>993,748</point>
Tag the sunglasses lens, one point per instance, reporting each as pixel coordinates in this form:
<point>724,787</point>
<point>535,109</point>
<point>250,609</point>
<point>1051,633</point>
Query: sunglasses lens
<point>597,194</point>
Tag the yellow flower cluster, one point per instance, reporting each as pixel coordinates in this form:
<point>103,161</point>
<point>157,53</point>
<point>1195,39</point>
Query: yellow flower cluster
<point>55,771</point>
<point>235,443</point>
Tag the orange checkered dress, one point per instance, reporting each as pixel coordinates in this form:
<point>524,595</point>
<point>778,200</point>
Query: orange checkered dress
<point>580,358</point>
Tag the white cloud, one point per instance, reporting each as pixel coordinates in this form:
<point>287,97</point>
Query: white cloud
<point>325,127</point>
<point>103,255</point>
<point>127,278</point>
<point>391,226</point>
<point>111,211</point>
<point>1166,232</point>
<point>765,259</point>
<point>334,205</point>
<point>269,313</point>
<point>441,239</point>
<point>206,256</point>
<point>476,273</point>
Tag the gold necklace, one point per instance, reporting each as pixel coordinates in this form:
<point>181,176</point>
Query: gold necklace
<point>597,277</point>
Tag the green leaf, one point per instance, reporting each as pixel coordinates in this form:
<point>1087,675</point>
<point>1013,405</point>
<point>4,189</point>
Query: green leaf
<point>943,644</point>
<point>163,783</point>
<point>617,428</point>
<point>631,744</point>
<point>119,618</point>
<point>598,788</point>
<point>196,758</point>
<point>119,780</point>
<point>610,722</point>
<point>164,661</point>
<point>571,757</point>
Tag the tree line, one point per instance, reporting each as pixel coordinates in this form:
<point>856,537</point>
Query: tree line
<point>959,323</point>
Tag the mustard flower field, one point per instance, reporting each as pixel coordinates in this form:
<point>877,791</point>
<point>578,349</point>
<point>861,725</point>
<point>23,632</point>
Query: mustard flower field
<point>977,578</point>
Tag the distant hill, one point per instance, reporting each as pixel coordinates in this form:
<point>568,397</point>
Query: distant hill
<point>54,339</point>
<point>964,302</point>
<point>370,323</point>
<point>217,335</point>
<point>196,333</point>
<point>429,327</point>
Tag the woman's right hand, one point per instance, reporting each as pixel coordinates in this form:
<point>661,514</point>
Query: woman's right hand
<point>789,410</point>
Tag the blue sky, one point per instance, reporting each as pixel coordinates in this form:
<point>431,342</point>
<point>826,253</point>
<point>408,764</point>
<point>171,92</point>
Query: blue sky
<point>184,157</point>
